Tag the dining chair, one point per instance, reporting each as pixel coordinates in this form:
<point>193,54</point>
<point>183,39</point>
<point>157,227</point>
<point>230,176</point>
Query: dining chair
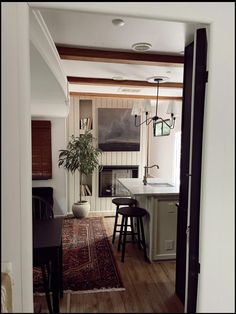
<point>43,210</point>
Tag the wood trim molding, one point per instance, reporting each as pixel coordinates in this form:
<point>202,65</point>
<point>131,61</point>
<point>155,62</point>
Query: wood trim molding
<point>82,54</point>
<point>100,81</point>
<point>100,95</point>
<point>43,43</point>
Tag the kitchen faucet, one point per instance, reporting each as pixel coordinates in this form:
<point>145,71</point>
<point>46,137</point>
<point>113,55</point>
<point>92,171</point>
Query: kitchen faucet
<point>146,173</point>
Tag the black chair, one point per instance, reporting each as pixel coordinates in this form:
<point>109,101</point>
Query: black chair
<point>45,192</point>
<point>132,212</point>
<point>122,201</point>
<point>43,210</point>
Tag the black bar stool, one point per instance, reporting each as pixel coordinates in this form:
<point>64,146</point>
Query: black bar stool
<point>122,201</point>
<point>131,212</point>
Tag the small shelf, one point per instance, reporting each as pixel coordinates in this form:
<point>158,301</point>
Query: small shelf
<point>85,114</point>
<point>81,131</point>
<point>87,189</point>
<point>85,123</point>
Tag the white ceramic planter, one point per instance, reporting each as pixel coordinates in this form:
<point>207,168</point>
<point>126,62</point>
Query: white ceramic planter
<point>81,209</point>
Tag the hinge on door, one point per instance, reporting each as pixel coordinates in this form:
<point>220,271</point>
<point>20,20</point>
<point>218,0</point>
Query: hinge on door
<point>206,76</point>
<point>198,267</point>
<point>187,230</point>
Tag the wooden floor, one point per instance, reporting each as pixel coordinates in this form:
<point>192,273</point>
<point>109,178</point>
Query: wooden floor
<point>149,287</point>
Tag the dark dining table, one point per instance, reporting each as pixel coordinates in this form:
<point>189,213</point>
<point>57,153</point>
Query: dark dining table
<point>47,247</point>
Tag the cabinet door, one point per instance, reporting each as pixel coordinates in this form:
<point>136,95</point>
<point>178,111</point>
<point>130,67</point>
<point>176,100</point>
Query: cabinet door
<point>165,244</point>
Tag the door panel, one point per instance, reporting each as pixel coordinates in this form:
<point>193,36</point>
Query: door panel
<point>187,266</point>
<point>184,179</point>
<point>196,163</point>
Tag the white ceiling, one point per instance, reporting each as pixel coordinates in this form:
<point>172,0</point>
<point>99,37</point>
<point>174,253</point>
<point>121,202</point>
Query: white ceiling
<point>96,31</point>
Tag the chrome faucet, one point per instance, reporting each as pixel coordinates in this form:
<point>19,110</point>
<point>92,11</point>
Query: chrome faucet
<point>146,173</point>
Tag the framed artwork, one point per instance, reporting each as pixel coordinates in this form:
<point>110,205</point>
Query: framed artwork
<point>116,130</point>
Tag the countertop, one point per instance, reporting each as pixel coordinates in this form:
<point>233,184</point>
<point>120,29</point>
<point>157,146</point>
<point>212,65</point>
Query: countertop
<point>136,187</point>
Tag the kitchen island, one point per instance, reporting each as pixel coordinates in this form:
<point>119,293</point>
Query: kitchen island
<point>159,198</point>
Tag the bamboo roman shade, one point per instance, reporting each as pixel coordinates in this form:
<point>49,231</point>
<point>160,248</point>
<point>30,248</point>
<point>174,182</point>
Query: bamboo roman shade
<point>41,150</point>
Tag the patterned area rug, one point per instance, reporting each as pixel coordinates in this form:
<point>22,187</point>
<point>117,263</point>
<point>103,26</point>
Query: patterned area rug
<point>88,261</point>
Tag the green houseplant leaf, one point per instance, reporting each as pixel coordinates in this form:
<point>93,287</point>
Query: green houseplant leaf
<point>80,155</point>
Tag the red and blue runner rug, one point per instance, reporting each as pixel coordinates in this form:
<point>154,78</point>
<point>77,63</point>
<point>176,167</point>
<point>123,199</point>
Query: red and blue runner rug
<point>88,261</point>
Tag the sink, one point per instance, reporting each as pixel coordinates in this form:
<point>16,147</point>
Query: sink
<point>160,184</point>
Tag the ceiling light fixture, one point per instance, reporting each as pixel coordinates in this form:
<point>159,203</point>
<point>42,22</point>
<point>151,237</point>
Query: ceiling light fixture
<point>118,22</point>
<point>147,108</point>
<point>141,47</point>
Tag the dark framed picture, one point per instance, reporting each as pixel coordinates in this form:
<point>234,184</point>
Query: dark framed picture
<point>116,130</point>
<point>160,128</point>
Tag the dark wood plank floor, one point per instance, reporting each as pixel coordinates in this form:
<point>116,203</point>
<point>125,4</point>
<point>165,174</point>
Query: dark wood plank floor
<point>149,287</point>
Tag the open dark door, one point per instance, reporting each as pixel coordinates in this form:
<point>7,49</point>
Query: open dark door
<point>196,166</point>
<point>190,176</point>
<point>184,179</point>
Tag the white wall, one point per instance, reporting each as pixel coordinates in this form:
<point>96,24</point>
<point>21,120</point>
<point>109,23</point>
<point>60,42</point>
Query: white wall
<point>16,205</point>
<point>162,148</point>
<point>59,175</point>
<point>216,281</point>
<point>217,233</point>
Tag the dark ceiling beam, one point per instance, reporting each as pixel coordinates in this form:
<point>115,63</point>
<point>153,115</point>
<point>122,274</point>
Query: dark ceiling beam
<point>100,81</point>
<point>82,54</point>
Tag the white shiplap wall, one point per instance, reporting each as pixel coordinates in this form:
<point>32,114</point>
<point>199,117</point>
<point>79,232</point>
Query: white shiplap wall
<point>102,204</point>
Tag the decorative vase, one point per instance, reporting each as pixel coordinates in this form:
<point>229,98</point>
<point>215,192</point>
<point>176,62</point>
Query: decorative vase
<point>81,209</point>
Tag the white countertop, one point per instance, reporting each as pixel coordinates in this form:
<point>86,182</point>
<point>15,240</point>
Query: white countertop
<point>136,187</point>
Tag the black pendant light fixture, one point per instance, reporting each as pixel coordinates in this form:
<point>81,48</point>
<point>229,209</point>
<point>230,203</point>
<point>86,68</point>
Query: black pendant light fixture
<point>156,118</point>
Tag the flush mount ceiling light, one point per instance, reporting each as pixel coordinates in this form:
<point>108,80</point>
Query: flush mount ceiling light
<point>141,47</point>
<point>157,79</point>
<point>171,109</point>
<point>118,22</point>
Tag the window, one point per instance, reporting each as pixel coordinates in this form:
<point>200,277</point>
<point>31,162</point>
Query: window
<point>41,150</point>
<point>160,128</point>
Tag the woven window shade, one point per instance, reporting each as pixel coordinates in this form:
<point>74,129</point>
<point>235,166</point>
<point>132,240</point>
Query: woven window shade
<point>41,150</point>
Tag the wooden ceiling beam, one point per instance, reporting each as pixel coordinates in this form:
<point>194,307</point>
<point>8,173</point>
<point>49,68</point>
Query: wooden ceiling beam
<point>82,54</point>
<point>102,95</point>
<point>100,81</point>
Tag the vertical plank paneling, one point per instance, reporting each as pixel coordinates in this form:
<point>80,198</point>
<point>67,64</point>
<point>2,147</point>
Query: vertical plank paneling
<point>124,158</point>
<point>103,158</point>
<point>124,103</point>
<point>114,158</point>
<point>107,158</point>
<point>108,155</point>
<point>118,158</point>
<point>102,204</point>
<point>71,179</point>
<point>128,158</point>
<point>95,118</point>
<point>76,133</point>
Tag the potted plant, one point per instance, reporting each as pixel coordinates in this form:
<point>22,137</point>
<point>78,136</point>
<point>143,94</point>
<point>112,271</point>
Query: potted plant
<point>80,155</point>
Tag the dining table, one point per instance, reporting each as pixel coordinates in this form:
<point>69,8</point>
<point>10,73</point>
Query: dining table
<point>47,247</point>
